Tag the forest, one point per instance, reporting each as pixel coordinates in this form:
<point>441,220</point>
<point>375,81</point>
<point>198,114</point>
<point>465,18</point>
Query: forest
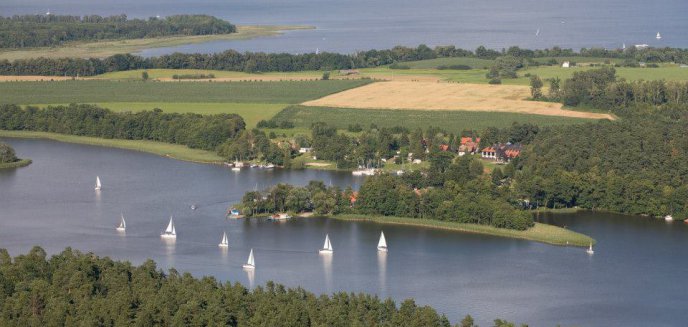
<point>193,130</point>
<point>31,31</point>
<point>80,289</point>
<point>252,62</point>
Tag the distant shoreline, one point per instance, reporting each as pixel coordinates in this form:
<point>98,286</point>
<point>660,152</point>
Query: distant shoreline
<point>107,48</point>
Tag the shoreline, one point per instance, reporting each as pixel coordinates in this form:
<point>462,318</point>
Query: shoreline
<point>173,151</point>
<point>17,164</point>
<point>106,48</point>
<point>542,233</point>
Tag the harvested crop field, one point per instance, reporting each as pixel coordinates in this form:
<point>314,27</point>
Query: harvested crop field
<point>447,96</point>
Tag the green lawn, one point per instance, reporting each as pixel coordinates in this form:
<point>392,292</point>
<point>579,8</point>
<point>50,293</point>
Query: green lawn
<point>97,91</point>
<point>251,112</point>
<point>669,73</point>
<point>455,121</point>
<point>540,232</point>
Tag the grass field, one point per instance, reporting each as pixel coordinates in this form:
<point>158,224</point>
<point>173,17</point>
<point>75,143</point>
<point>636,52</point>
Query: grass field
<point>104,49</point>
<point>447,96</point>
<point>92,91</point>
<point>176,151</point>
<point>220,75</point>
<point>455,121</point>
<point>434,63</point>
<point>251,112</point>
<point>539,233</point>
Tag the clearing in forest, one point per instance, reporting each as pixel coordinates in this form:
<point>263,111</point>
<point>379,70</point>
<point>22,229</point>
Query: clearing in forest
<point>447,96</point>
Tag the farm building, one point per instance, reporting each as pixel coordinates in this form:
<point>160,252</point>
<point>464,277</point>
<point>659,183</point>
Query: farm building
<point>468,145</point>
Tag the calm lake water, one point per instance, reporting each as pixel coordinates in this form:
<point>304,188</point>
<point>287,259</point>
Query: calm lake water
<point>635,278</point>
<point>350,25</point>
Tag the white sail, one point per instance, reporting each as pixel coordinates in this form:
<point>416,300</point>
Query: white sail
<point>327,245</point>
<point>122,224</point>
<point>170,231</point>
<point>659,36</point>
<point>537,33</point>
<point>98,185</point>
<point>382,243</point>
<point>250,263</point>
<point>224,242</point>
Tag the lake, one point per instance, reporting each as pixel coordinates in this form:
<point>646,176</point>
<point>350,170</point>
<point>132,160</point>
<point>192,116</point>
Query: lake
<point>349,25</point>
<point>635,278</point>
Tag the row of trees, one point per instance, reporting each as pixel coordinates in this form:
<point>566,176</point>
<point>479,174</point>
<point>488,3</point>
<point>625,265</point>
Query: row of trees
<point>231,60</point>
<point>73,288</point>
<point>52,30</point>
<point>194,130</point>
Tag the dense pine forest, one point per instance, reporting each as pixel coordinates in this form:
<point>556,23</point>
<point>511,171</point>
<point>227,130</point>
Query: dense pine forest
<point>55,30</point>
<point>231,60</point>
<point>81,289</point>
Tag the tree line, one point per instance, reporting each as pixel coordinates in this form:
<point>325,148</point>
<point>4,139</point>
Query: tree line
<point>602,89</point>
<point>74,288</point>
<point>231,60</point>
<point>193,130</point>
<point>55,30</point>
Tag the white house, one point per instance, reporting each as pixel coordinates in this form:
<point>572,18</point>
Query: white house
<point>566,64</point>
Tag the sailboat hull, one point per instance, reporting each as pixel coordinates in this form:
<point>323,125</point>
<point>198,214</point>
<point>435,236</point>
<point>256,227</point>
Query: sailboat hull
<point>223,245</point>
<point>326,251</point>
<point>121,229</point>
<point>382,248</point>
<point>248,267</point>
<point>168,236</point>
<point>590,251</point>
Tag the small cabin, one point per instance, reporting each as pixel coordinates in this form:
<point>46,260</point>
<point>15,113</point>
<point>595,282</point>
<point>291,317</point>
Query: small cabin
<point>566,64</point>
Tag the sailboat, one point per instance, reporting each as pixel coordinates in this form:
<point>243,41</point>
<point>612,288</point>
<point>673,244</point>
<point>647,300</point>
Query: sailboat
<point>224,242</point>
<point>537,33</point>
<point>122,224</point>
<point>327,247</point>
<point>250,263</point>
<point>169,232</point>
<point>382,244</point>
<point>589,250</point>
<point>659,36</point>
<point>98,185</point>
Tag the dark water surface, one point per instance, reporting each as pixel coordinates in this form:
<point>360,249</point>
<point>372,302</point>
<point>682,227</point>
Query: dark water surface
<point>636,277</point>
<point>350,25</point>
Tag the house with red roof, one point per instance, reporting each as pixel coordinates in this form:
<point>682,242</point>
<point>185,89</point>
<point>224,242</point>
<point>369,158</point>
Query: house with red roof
<point>501,152</point>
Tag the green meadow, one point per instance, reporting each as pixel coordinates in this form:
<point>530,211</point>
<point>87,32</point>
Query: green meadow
<point>304,117</point>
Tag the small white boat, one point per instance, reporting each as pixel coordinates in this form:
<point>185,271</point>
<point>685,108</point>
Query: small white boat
<point>169,232</point>
<point>122,224</point>
<point>590,250</point>
<point>668,218</point>
<point>194,206</point>
<point>382,244</point>
<point>659,36</point>
<point>250,263</point>
<point>236,169</point>
<point>327,247</point>
<point>224,243</point>
<point>99,186</point>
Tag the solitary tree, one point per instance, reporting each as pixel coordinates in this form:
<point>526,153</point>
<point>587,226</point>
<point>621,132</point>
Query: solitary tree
<point>535,87</point>
<point>144,76</point>
<point>7,154</point>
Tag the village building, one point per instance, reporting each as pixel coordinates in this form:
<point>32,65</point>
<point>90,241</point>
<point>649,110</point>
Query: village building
<point>468,145</point>
<point>501,152</point>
